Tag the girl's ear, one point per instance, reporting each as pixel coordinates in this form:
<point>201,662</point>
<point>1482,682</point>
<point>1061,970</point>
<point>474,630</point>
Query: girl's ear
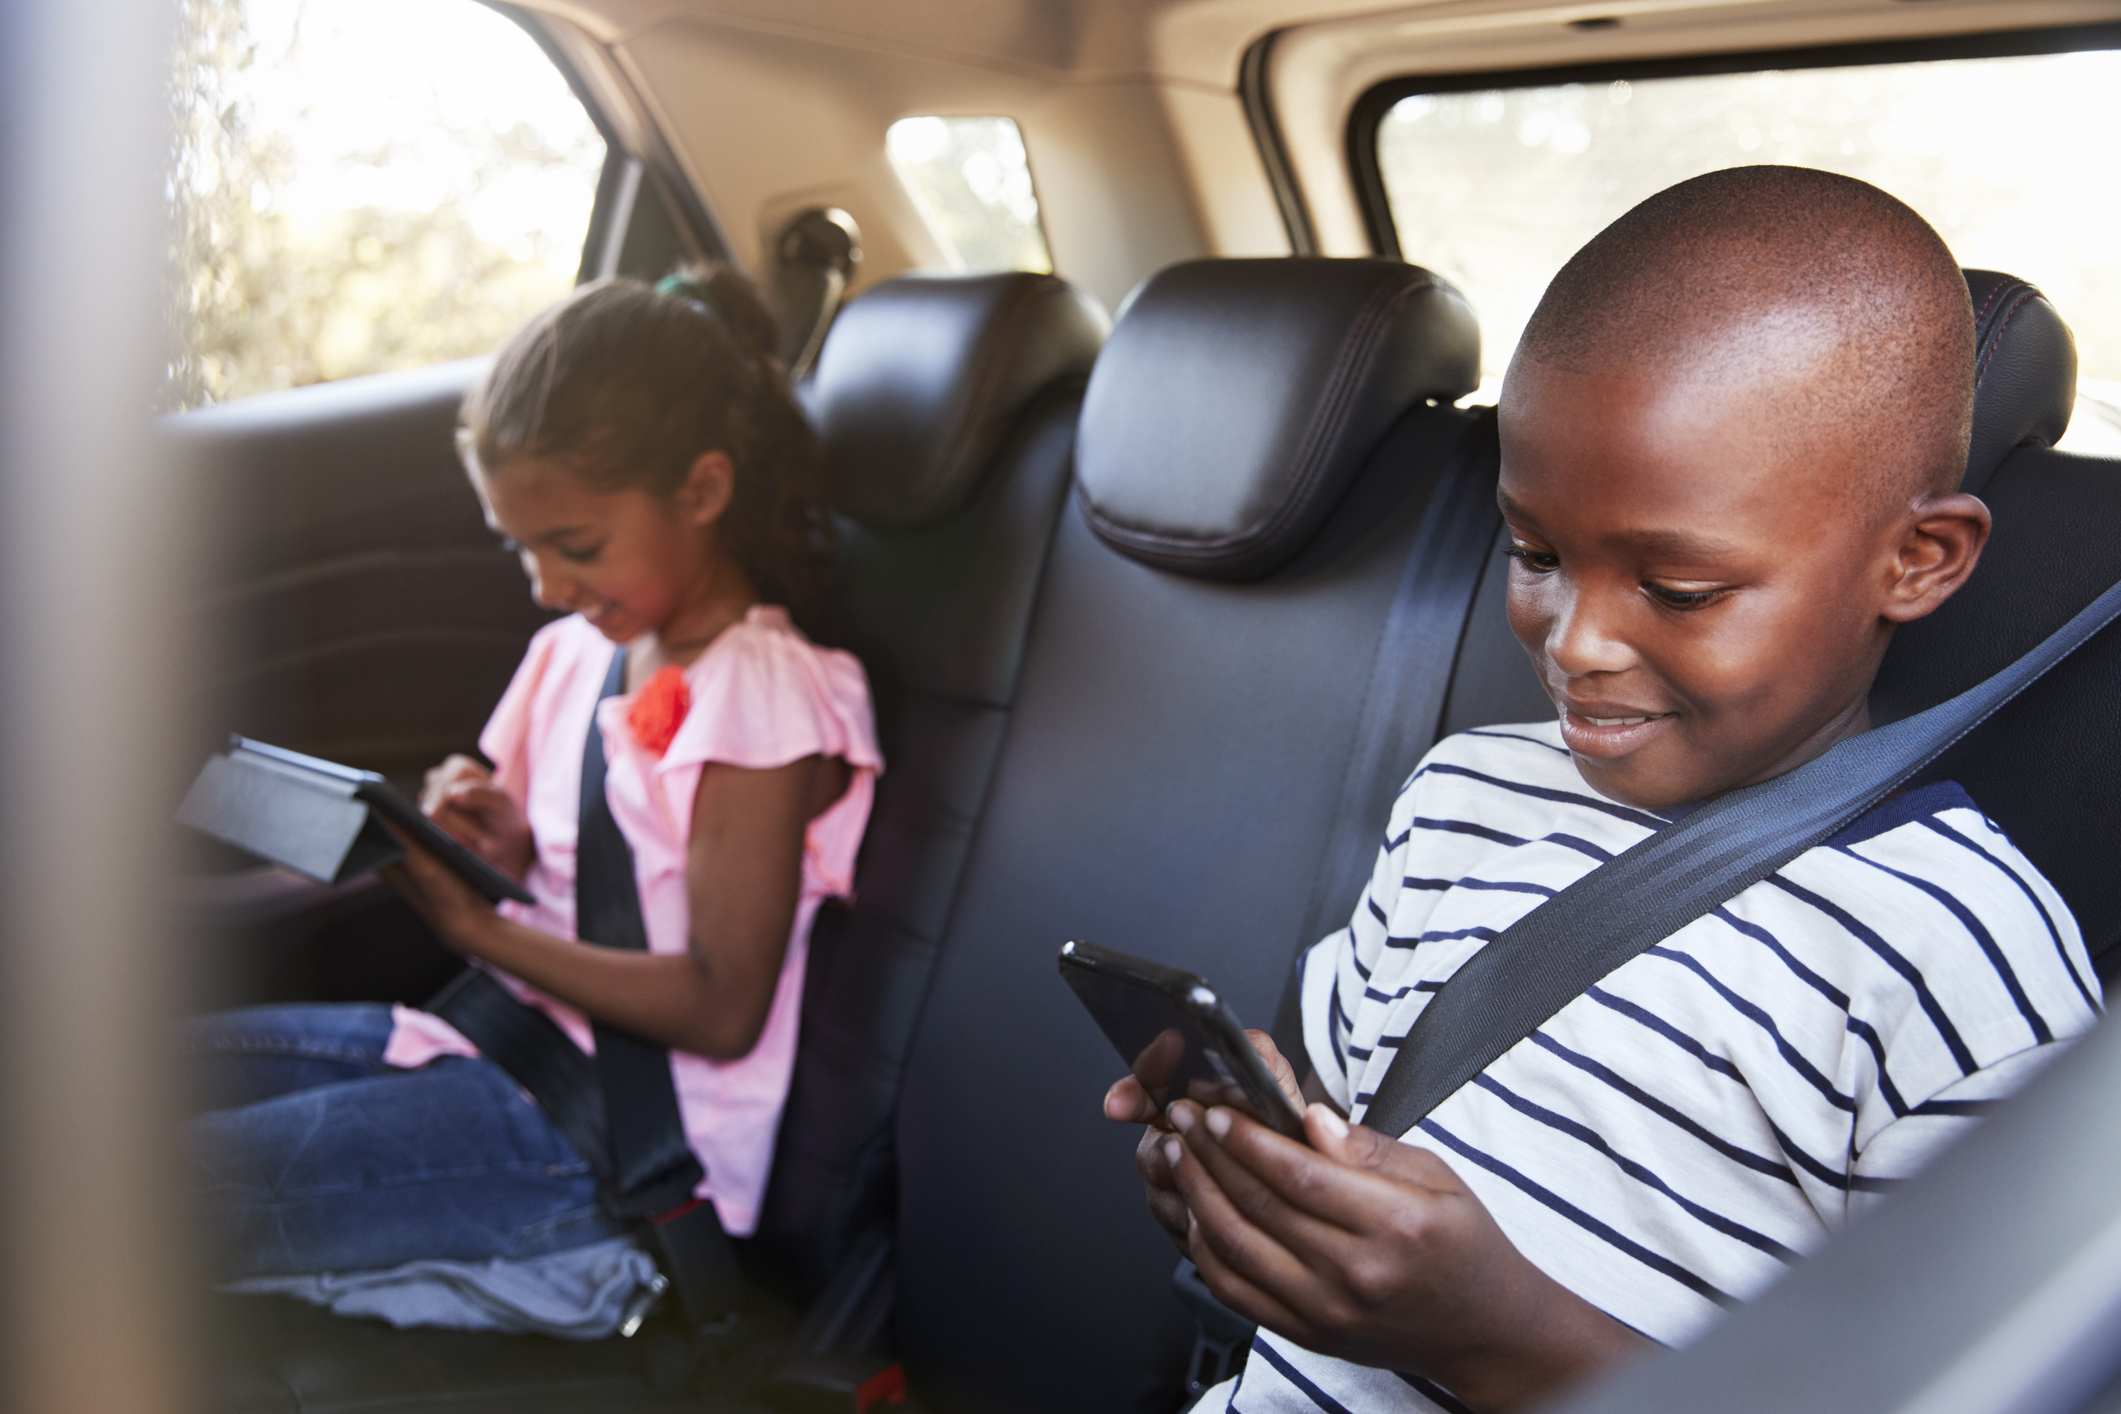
<point>706,490</point>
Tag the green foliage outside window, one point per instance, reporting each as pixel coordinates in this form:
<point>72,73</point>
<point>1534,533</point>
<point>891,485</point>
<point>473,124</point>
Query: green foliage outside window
<point>362,185</point>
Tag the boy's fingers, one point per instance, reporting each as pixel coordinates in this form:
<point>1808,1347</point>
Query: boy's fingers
<point>1364,1148</point>
<point>1219,1237</point>
<point>1353,1182</point>
<point>1278,1064</point>
<point>1242,1296</point>
<point>1126,1102</point>
<point>1251,1230</point>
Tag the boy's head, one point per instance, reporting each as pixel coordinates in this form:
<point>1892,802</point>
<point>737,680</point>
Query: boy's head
<point>1732,438</point>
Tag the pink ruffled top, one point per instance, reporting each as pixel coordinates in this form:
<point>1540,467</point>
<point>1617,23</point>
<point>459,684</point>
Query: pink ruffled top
<point>762,696</point>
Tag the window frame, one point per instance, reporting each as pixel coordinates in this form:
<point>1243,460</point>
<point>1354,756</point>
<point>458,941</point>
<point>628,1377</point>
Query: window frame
<point>1367,117</point>
<point>677,226</point>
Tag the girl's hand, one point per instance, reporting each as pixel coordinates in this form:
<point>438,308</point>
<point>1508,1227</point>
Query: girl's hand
<point>1156,1156</point>
<point>460,796</point>
<point>1373,1251</point>
<point>457,912</point>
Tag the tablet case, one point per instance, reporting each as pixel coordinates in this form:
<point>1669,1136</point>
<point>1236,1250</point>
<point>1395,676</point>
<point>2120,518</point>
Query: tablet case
<point>319,818</point>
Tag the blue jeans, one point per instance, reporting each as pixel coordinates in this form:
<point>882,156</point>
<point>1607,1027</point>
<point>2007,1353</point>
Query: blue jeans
<point>314,1156</point>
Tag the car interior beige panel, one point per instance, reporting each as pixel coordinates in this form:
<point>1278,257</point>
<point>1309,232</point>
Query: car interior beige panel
<point>1319,71</point>
<point>1113,190</point>
<point>1230,190</point>
<point>763,119</point>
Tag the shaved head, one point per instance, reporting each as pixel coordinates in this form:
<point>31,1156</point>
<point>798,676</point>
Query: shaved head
<point>1839,306</point>
<point>1732,440</point>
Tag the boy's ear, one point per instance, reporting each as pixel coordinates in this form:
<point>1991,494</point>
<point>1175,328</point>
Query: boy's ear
<point>1940,543</point>
<point>707,489</point>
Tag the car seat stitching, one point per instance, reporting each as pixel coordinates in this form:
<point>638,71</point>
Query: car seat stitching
<point>1996,341</point>
<point>1330,418</point>
<point>1991,299</point>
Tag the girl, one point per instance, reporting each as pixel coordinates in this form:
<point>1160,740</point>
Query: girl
<point>640,450</point>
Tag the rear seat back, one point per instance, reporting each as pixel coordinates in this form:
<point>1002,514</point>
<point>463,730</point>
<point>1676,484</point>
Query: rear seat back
<point>2047,768</point>
<point>1254,460</point>
<point>1178,742</point>
<point>946,407</point>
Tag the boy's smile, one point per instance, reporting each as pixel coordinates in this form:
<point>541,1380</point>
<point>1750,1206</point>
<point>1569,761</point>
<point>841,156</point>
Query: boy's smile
<point>1703,588</point>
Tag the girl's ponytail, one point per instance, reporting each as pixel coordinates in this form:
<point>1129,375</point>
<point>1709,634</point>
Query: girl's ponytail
<point>628,385</point>
<point>735,300</point>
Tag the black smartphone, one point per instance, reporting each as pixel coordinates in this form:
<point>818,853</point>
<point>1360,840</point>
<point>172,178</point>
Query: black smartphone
<point>1179,1038</point>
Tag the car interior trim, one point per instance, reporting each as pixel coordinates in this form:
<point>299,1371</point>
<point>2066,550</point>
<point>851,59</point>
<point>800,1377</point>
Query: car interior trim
<point>1254,92</point>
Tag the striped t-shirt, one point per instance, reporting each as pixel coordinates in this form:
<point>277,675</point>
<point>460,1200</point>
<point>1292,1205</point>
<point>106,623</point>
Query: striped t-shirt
<point>1669,1142</point>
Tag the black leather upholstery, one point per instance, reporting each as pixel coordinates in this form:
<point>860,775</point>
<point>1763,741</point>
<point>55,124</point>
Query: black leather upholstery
<point>936,590</point>
<point>1176,749</point>
<point>2047,768</point>
<point>920,378</point>
<point>1176,752</point>
<point>2025,371</point>
<point>1239,397</point>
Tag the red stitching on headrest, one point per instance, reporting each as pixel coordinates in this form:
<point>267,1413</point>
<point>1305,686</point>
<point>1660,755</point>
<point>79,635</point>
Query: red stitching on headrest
<point>2000,288</point>
<point>1996,340</point>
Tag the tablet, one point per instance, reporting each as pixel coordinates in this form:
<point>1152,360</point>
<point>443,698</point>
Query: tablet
<point>322,819</point>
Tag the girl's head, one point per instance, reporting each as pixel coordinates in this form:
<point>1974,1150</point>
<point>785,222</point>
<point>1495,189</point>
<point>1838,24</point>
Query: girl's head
<point>641,447</point>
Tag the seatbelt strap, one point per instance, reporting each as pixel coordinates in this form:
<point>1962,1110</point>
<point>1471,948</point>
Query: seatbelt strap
<point>1402,714</point>
<point>1651,890</point>
<point>536,1054</point>
<point>1403,702</point>
<point>654,1170</point>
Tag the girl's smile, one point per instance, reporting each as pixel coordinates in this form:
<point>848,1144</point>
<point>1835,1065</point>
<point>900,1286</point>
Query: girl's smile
<point>628,561</point>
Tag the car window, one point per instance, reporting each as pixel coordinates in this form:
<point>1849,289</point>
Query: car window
<point>361,185</point>
<point>1495,189</point>
<point>971,179</point>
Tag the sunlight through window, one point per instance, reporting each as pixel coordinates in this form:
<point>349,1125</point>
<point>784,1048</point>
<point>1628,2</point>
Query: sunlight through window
<point>1494,190</point>
<point>972,182</point>
<point>361,185</point>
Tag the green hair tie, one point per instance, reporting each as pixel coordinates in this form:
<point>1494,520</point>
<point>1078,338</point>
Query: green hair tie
<point>684,286</point>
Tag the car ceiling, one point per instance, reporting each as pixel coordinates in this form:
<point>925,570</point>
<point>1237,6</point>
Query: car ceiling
<point>1140,145</point>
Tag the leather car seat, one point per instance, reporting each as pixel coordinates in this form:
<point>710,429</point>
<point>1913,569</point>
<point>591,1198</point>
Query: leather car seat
<point>2047,767</point>
<point>1258,441</point>
<point>946,406</point>
<point>1187,704</point>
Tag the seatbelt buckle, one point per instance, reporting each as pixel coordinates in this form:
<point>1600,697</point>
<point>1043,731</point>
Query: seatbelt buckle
<point>1221,1338</point>
<point>696,1254</point>
<point>837,1384</point>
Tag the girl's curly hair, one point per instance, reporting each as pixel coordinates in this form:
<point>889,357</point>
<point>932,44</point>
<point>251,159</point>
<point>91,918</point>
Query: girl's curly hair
<point>626,385</point>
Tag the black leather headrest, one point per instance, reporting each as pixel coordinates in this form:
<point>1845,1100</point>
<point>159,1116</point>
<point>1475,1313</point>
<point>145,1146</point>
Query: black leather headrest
<point>921,376</point>
<point>1237,398</point>
<point>2025,372</point>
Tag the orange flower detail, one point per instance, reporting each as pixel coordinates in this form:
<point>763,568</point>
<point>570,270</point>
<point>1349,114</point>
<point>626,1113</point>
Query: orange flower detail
<point>658,709</point>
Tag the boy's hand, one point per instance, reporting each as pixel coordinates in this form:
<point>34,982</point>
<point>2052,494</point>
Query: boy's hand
<point>1127,1103</point>
<point>1373,1251</point>
<point>460,796</point>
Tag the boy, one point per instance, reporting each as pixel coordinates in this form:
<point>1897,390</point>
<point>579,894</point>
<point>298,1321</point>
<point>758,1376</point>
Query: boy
<point>1732,438</point>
